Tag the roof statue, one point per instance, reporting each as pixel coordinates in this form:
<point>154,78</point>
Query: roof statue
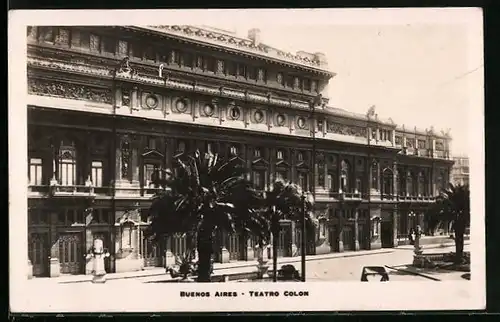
<point>371,112</point>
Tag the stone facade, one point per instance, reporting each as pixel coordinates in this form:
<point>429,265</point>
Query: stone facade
<point>108,105</point>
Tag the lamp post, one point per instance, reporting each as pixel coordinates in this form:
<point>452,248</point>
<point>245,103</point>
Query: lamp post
<point>312,105</point>
<point>303,239</point>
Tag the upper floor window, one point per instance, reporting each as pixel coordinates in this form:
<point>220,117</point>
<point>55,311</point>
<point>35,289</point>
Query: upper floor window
<point>67,166</point>
<point>307,84</point>
<point>46,34</point>
<point>233,150</point>
<point>256,153</point>
<point>279,155</point>
<point>344,175</point>
<point>152,143</point>
<point>231,68</point>
<point>109,45</point>
<point>35,172</point>
<point>149,54</point>
<point>96,175</point>
<point>242,70</point>
<point>302,182</point>
<point>259,179</point>
<point>150,170</point>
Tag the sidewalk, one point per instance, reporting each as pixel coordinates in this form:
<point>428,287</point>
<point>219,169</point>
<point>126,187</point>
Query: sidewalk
<point>431,246</point>
<point>219,268</point>
<point>243,266</point>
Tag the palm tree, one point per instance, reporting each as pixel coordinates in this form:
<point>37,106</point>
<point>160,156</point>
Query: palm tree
<point>206,195</point>
<point>285,201</point>
<point>453,205</point>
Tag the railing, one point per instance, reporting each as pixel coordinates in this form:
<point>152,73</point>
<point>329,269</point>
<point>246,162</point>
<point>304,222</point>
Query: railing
<point>416,198</point>
<point>76,190</point>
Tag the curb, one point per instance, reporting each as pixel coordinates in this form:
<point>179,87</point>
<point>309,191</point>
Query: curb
<point>286,260</point>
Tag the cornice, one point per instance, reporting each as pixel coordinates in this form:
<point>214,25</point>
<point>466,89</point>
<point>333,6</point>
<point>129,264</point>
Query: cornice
<point>234,45</point>
<point>199,87</point>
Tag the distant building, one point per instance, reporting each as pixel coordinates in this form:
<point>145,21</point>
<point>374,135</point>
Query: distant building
<point>460,170</point>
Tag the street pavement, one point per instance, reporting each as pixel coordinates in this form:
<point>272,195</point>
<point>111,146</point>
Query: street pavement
<point>42,294</point>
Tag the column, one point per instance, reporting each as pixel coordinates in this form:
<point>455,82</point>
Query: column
<point>169,257</point>
<point>356,229</point>
<point>249,253</point>
<point>223,248</point>
<point>395,223</point>
<point>395,188</point>
<point>54,264</point>
<point>341,222</point>
<point>293,237</point>
<point>134,104</point>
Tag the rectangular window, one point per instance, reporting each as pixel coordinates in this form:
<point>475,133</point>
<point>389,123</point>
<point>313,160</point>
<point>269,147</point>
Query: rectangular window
<point>210,64</point>
<point>307,84</point>
<point>35,172</point>
<point>135,51</point>
<point>242,71</point>
<point>149,54</point>
<point>152,143</point>
<point>84,39</point>
<point>149,170</point>
<point>97,173</point>
<point>231,68</point>
<point>109,45</point>
<point>259,179</point>
<point>187,60</point>
<point>67,172</point>
<point>302,182</point>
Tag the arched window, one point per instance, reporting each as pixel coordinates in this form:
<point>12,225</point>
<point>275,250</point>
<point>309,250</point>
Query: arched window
<point>344,176</point>
<point>67,164</point>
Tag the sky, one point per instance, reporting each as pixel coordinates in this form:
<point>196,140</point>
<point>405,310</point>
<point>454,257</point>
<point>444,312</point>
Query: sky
<point>417,74</point>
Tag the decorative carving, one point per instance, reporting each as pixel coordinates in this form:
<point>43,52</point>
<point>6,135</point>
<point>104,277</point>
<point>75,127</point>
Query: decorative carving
<point>234,112</point>
<point>220,66</point>
<point>208,110</point>
<point>346,130</point>
<point>151,101</point>
<point>199,62</point>
<point>125,97</point>
<point>314,86</point>
<point>181,105</point>
<point>280,119</point>
<point>301,123</point>
<point>125,69</point>
<point>122,47</point>
<point>258,116</point>
<point>125,151</point>
<point>62,37</point>
<point>71,91</point>
<point>279,78</point>
<point>439,146</point>
<point>260,75</point>
<point>410,143</point>
<point>94,42</point>
<point>421,144</point>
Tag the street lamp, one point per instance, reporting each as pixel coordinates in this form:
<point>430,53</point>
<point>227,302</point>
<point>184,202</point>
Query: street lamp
<point>303,239</point>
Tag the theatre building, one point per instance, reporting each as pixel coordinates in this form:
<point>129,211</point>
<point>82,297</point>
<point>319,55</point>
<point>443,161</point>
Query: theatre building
<point>109,105</point>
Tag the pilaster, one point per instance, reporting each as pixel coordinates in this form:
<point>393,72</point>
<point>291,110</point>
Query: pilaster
<point>395,225</point>
<point>54,264</point>
<point>224,253</point>
<point>356,229</point>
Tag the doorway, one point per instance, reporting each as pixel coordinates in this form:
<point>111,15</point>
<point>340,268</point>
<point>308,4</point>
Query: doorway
<point>70,253</point>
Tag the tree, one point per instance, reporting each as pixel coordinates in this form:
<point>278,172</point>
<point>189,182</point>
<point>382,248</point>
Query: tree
<point>453,205</point>
<point>206,195</point>
<point>285,201</point>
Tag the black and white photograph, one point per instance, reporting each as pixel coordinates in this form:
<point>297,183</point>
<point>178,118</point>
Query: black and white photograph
<point>165,160</point>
